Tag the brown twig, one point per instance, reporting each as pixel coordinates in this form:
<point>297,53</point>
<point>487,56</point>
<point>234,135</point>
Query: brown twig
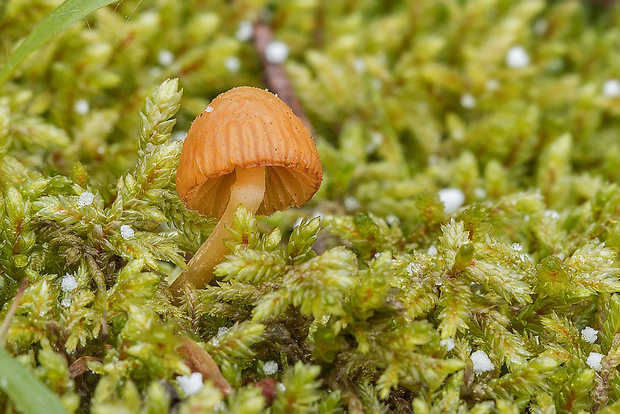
<point>6,323</point>
<point>199,360</point>
<point>276,78</point>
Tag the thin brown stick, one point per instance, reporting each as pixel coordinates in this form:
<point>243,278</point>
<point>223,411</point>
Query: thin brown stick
<point>6,323</point>
<point>276,78</point>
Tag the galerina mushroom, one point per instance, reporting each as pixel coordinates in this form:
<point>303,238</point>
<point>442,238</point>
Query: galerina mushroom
<point>246,148</point>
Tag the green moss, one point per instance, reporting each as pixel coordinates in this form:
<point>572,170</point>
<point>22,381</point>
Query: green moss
<point>375,295</point>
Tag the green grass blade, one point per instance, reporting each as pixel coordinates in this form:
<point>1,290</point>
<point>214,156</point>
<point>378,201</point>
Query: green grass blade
<point>64,16</point>
<point>28,393</point>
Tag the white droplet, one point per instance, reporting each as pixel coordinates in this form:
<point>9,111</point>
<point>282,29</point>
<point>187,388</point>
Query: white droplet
<point>68,283</point>
<point>85,199</point>
<point>190,384</point>
<point>517,58</point>
<point>594,361</point>
<point>452,199</point>
<point>165,57</point>
<point>611,88</point>
<point>127,232</point>
<point>233,64</point>
<point>245,31</point>
<point>589,334</point>
<point>482,362</point>
<point>81,107</point>
<point>270,367</point>
<point>447,344</point>
<point>276,52</point>
<point>468,101</point>
<point>209,109</point>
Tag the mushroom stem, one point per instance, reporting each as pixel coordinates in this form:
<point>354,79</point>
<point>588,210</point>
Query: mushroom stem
<point>248,190</point>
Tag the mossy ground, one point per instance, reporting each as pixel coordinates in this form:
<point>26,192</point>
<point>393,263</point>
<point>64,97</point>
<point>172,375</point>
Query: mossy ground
<point>460,256</point>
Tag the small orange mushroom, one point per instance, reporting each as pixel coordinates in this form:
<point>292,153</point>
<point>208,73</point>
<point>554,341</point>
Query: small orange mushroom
<point>247,147</point>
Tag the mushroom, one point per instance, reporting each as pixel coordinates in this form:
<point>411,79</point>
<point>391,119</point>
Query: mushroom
<point>246,148</point>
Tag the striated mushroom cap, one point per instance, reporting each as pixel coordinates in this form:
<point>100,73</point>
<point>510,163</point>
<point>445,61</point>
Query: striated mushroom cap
<point>242,128</point>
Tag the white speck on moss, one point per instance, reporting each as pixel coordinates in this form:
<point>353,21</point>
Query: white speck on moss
<point>594,361</point>
<point>276,52</point>
<point>589,334</point>
<point>480,192</point>
<point>432,251</point>
<point>359,65</point>
<point>190,384</point>
<point>165,58</point>
<point>611,88</point>
<point>492,84</point>
<point>468,101</point>
<point>245,31</point>
<point>351,203</point>
<point>447,344</point>
<point>452,199</point>
<point>68,283</point>
<point>209,109</point>
<point>220,332</point>
<point>482,362</point>
<point>85,199</point>
<point>270,367</point>
<point>516,247</point>
<point>81,107</point>
<point>540,27</point>
<point>233,64</point>
<point>414,269</point>
<point>66,302</point>
<point>179,136</point>
<point>552,214</point>
<point>392,220</point>
<point>127,232</point>
<point>517,58</point>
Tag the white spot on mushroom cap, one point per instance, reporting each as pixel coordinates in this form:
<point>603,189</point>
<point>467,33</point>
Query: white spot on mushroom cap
<point>209,109</point>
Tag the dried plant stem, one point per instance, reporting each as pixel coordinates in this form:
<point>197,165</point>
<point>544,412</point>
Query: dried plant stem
<point>6,323</point>
<point>275,75</point>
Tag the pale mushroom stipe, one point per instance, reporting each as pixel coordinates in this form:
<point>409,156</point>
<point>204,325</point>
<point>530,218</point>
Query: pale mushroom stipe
<point>247,148</point>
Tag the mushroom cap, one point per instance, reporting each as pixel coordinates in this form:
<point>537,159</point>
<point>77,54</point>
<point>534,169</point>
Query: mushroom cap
<point>242,128</point>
